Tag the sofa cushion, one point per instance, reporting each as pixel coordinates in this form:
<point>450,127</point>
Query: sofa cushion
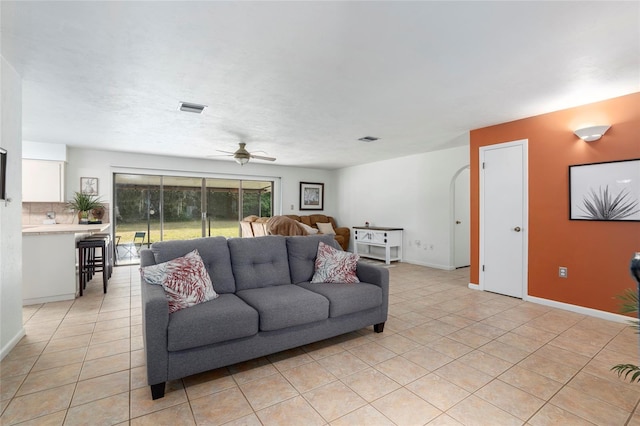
<point>347,298</point>
<point>285,306</point>
<point>219,320</point>
<point>214,253</point>
<point>185,281</point>
<point>302,253</point>
<point>259,262</point>
<point>335,266</point>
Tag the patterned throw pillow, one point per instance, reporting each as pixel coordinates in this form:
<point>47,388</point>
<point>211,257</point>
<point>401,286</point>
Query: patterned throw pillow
<point>335,266</point>
<point>185,280</point>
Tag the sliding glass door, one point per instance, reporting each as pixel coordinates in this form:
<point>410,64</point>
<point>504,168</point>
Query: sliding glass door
<point>178,207</point>
<point>136,210</point>
<point>257,198</point>
<point>222,207</point>
<point>182,208</point>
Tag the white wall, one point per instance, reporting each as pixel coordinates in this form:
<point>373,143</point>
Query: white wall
<point>44,151</point>
<point>11,330</point>
<point>413,193</point>
<point>102,164</point>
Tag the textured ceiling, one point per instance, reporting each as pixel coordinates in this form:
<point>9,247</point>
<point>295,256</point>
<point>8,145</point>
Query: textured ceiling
<point>302,81</point>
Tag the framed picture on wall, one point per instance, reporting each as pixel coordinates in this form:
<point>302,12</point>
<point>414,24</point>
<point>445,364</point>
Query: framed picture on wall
<point>311,196</point>
<point>89,185</point>
<point>608,191</point>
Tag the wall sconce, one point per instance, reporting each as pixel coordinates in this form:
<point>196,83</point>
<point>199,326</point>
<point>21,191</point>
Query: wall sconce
<point>590,134</point>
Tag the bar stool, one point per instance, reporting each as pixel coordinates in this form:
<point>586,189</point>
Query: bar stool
<point>89,263</point>
<point>110,250</point>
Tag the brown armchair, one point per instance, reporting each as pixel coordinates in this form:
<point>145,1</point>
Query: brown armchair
<point>342,234</point>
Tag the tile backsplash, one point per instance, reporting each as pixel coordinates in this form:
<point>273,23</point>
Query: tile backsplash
<point>36,213</point>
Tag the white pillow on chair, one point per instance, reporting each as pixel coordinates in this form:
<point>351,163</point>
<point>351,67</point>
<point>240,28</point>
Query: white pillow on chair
<point>310,229</point>
<point>326,228</point>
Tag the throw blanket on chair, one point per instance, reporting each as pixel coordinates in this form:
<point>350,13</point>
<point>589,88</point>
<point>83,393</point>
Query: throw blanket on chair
<point>282,225</point>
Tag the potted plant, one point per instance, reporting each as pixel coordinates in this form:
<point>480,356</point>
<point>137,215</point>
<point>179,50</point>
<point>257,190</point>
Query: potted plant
<point>630,305</point>
<point>83,204</point>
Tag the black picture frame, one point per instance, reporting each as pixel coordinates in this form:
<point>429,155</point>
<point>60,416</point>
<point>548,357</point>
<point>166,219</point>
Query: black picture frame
<point>311,196</point>
<point>606,191</point>
<point>3,174</point>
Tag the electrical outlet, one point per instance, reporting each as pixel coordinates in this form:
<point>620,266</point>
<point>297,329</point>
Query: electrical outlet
<point>292,207</point>
<point>563,272</point>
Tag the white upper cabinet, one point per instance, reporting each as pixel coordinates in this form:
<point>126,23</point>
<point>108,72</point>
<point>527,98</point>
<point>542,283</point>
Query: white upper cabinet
<point>42,181</point>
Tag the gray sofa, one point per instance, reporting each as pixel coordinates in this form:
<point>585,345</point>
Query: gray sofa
<point>266,304</point>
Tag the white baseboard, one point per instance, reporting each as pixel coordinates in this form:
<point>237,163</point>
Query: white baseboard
<point>609,316</point>
<point>429,265</point>
<point>39,300</point>
<point>12,343</point>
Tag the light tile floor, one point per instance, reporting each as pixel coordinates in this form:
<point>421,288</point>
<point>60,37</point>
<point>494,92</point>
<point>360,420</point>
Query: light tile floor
<point>448,356</point>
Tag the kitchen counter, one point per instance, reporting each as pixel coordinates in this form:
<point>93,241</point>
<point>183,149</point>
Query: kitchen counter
<point>49,259</point>
<point>64,229</point>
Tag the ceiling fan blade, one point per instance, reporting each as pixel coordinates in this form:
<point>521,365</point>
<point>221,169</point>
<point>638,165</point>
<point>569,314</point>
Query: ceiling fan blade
<point>226,152</point>
<point>219,155</point>
<point>260,157</point>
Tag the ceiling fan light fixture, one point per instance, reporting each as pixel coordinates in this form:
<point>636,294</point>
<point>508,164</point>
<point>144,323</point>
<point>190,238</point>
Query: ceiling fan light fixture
<point>191,107</point>
<point>368,139</point>
<point>242,156</point>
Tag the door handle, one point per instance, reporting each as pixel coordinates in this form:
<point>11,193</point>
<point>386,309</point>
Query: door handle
<point>458,222</point>
<point>517,229</point>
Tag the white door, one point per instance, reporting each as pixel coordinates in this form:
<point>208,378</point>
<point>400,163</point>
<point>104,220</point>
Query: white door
<point>461,220</point>
<point>503,218</point>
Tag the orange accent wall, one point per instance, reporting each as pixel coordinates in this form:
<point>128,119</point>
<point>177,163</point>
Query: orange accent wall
<point>597,253</point>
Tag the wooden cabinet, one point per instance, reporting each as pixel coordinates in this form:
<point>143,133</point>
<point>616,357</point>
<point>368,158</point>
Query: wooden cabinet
<point>380,243</point>
<point>42,181</point>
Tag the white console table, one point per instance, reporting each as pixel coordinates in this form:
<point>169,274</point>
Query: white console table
<point>375,236</point>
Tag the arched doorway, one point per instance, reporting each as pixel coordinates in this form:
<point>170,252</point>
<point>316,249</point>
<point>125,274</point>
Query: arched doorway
<point>460,210</point>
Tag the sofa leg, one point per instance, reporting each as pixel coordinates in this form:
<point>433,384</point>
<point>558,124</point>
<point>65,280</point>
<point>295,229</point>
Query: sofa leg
<point>378,328</point>
<point>157,390</point>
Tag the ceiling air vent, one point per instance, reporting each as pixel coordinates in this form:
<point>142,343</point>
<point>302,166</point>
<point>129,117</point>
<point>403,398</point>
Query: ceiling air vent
<point>189,107</point>
<point>368,139</point>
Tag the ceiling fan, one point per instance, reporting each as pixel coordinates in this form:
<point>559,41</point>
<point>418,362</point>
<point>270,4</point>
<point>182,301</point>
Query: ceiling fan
<point>242,156</point>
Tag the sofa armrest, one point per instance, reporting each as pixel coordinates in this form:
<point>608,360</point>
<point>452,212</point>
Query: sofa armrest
<point>377,275</point>
<point>147,258</point>
<point>155,322</point>
<point>373,274</point>
<point>345,233</point>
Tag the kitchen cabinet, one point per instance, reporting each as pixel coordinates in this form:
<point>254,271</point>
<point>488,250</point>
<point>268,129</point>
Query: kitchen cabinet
<point>49,259</point>
<point>42,181</point>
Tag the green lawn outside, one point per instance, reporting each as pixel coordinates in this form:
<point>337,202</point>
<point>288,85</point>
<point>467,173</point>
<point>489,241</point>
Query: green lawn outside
<point>177,230</point>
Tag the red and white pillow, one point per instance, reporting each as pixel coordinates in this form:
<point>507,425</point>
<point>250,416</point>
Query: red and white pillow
<point>335,266</point>
<point>185,280</point>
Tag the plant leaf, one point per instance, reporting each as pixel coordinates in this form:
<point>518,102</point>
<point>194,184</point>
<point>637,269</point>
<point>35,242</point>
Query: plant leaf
<point>602,205</point>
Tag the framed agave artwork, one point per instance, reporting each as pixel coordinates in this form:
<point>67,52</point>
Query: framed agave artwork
<point>608,191</point>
